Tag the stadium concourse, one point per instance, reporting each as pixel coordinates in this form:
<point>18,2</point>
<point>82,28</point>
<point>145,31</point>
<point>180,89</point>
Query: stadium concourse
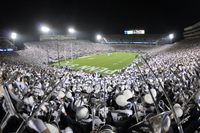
<point>158,92</point>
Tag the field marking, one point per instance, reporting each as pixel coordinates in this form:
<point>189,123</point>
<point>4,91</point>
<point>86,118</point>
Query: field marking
<point>112,67</point>
<point>91,58</point>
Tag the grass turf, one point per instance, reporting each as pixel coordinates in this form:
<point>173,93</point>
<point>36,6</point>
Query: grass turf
<point>107,63</point>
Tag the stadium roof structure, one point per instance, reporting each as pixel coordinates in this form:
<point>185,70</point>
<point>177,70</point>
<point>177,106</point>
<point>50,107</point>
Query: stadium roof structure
<point>192,26</point>
<point>192,31</point>
<point>134,38</point>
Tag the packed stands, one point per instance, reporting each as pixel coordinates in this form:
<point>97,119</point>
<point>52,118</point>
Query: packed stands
<point>158,92</point>
<point>76,48</point>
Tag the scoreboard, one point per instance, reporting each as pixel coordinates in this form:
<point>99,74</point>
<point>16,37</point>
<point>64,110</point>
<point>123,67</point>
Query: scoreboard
<point>130,32</point>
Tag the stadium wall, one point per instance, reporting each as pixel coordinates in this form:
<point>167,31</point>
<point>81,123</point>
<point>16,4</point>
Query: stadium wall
<point>192,31</point>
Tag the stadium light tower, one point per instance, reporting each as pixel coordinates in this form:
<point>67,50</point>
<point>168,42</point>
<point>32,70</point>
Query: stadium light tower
<point>45,29</point>
<point>171,37</point>
<point>71,31</point>
<point>13,35</point>
<point>98,37</point>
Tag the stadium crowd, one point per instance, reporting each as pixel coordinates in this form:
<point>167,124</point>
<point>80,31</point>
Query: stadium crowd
<point>66,49</point>
<point>40,53</point>
<point>157,93</point>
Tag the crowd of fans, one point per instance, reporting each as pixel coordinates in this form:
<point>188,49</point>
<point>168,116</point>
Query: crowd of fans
<point>65,48</point>
<point>156,93</point>
<point>44,52</point>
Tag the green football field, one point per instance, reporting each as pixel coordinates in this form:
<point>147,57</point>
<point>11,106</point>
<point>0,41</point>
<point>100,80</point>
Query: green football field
<point>107,63</point>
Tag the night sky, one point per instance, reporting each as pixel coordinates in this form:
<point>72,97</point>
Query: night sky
<point>97,16</point>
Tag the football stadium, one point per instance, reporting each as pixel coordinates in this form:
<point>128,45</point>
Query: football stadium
<point>73,80</point>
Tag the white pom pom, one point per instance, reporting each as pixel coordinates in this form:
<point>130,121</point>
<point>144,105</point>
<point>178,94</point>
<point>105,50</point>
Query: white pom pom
<point>61,94</point>
<point>69,94</point>
<point>178,110</point>
<point>148,99</point>
<point>121,100</point>
<point>52,129</point>
<point>68,130</point>
<point>82,113</point>
<point>177,105</point>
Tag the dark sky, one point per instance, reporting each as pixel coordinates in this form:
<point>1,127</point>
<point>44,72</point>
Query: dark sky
<point>98,16</point>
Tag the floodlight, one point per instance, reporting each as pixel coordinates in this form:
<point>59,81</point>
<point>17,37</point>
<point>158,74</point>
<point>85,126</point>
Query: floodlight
<point>45,29</point>
<point>13,35</point>
<point>171,36</point>
<point>71,30</point>
<point>99,37</point>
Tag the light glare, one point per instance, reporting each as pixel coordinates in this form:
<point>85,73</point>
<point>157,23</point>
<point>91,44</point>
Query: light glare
<point>171,36</point>
<point>45,29</point>
<point>71,30</point>
<point>13,35</point>
<point>99,37</point>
